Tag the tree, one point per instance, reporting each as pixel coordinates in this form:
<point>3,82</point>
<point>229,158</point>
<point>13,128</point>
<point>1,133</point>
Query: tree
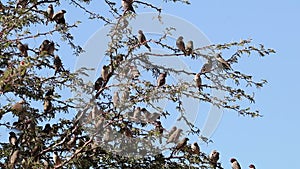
<point>114,128</point>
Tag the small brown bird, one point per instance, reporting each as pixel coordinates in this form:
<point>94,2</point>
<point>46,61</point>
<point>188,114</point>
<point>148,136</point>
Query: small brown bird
<point>137,114</point>
<point>134,72</point>
<point>142,40</point>
<point>56,159</point>
<point>181,144</point>
<point>213,158</point>
<point>180,45</point>
<point>225,64</point>
<point>174,128</point>
<point>127,6</point>
<point>13,158</point>
<point>175,136</point>
<point>47,48</point>
<point>195,148</point>
<point>19,106</point>
<point>50,12</point>
<point>105,72</point>
<point>47,104</point>
<point>235,164</point>
<point>98,84</point>
<point>189,48</point>
<point>58,66</point>
<point>13,138</point>
<point>161,80</point>
<point>206,68</point>
<point>23,48</point>
<point>21,3</point>
<point>198,81</point>
<point>116,99</point>
<point>59,17</point>
<point>47,129</point>
<point>251,166</point>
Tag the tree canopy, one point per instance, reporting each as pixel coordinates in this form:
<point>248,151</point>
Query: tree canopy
<point>53,118</point>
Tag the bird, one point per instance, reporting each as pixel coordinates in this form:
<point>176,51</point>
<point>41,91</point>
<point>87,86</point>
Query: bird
<point>213,158</point>
<point>134,72</point>
<point>137,114</point>
<point>50,13</point>
<point>189,48</point>
<point>21,3</point>
<point>174,128</point>
<point>13,158</point>
<point>161,80</point>
<point>57,64</point>
<point>105,72</point>
<point>251,166</point>
<point>127,6</point>
<point>142,40</point>
<point>23,48</point>
<point>13,138</point>
<point>206,68</point>
<point>47,129</point>
<point>159,129</point>
<point>59,17</point>
<point>224,63</point>
<point>125,95</point>
<point>198,81</point>
<point>47,104</point>
<point>180,45</point>
<point>181,144</point>
<point>98,84</point>
<point>116,99</point>
<point>47,48</point>
<point>56,159</point>
<point>195,148</point>
<point>18,107</point>
<point>175,136</point>
<point>235,164</point>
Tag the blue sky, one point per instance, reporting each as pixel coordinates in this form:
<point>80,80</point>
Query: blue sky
<point>271,141</point>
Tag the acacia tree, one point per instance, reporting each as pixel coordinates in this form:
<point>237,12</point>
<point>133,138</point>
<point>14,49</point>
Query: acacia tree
<point>115,127</point>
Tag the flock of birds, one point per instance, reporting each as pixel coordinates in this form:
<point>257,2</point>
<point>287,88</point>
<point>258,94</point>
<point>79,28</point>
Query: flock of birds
<point>48,47</point>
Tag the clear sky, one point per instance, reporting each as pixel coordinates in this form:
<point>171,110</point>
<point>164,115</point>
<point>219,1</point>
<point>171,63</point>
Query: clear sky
<point>273,140</point>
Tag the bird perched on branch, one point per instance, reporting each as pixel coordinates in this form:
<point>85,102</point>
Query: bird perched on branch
<point>127,6</point>
<point>47,47</point>
<point>213,158</point>
<point>13,138</point>
<point>98,84</point>
<point>23,48</point>
<point>198,81</point>
<point>189,48</point>
<point>142,40</point>
<point>195,148</point>
<point>47,104</point>
<point>58,66</point>
<point>105,72</point>
<point>50,13</point>
<point>225,65</point>
<point>59,17</point>
<point>175,136</point>
<point>180,145</point>
<point>18,107</point>
<point>180,45</point>
<point>206,68</point>
<point>161,80</point>
<point>235,164</point>
<point>56,159</point>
